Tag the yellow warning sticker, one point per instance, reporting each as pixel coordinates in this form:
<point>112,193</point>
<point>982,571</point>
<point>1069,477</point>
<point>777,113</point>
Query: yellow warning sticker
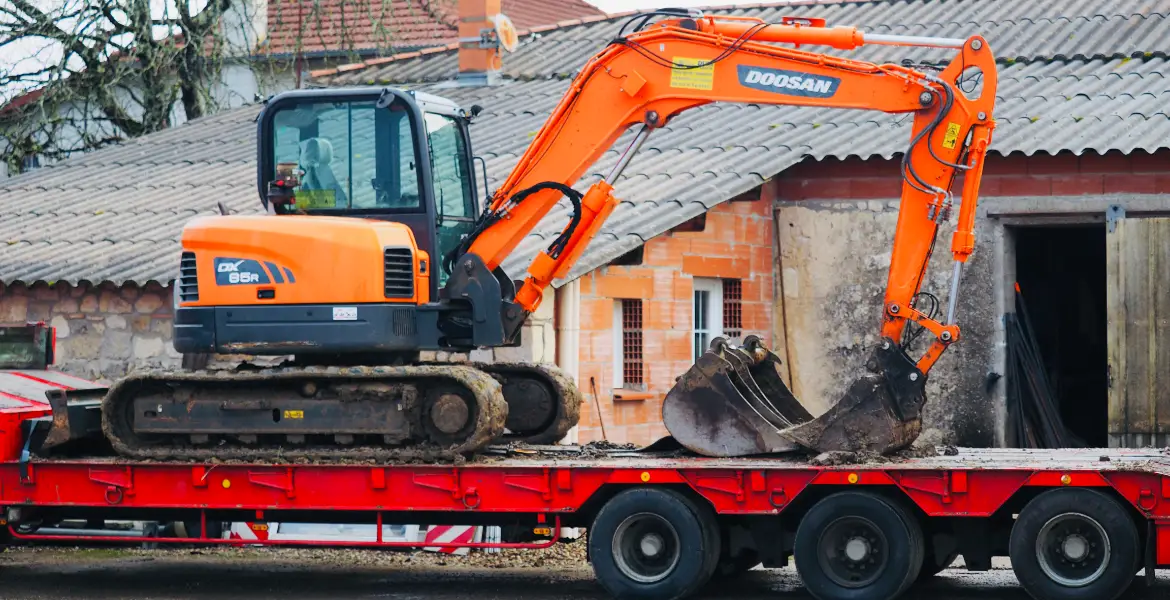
<point>696,78</point>
<point>952,136</point>
<point>316,199</point>
<point>294,414</point>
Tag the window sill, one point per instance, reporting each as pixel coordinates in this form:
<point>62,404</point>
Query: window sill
<point>631,396</point>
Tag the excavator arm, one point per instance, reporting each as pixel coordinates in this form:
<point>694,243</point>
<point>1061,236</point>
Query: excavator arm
<point>645,78</point>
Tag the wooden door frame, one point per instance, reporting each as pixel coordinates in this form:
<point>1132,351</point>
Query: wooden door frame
<point>998,215</point>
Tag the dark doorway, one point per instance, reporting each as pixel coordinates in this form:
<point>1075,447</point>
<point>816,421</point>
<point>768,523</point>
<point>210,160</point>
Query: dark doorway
<point>1061,273</point>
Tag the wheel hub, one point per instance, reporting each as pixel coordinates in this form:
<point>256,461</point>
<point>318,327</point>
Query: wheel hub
<point>652,545</point>
<point>646,548</point>
<point>852,552</point>
<point>857,549</point>
<point>1073,549</point>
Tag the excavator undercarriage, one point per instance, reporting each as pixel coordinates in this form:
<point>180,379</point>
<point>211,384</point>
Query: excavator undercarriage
<point>382,412</point>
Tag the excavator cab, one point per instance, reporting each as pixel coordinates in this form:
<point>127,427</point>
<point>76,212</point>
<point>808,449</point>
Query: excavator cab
<point>376,153</point>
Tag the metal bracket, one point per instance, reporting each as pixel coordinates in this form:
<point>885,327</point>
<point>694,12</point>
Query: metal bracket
<point>1114,213</point>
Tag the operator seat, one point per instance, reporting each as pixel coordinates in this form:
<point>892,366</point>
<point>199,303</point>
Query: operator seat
<point>316,157</point>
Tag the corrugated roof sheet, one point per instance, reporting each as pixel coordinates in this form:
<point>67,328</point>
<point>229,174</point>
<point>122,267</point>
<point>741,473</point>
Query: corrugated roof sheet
<point>1017,30</point>
<point>57,221</point>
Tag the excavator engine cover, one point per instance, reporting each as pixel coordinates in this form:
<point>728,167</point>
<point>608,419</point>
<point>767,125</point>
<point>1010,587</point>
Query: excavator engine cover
<point>732,402</point>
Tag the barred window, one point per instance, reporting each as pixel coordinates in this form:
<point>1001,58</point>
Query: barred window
<point>629,360</point>
<point>732,308</point>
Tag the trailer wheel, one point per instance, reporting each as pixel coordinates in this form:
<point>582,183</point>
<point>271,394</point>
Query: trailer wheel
<point>1072,544</point>
<point>653,544</point>
<point>858,545</point>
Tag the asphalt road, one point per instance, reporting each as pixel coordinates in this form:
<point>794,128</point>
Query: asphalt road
<point>111,575</point>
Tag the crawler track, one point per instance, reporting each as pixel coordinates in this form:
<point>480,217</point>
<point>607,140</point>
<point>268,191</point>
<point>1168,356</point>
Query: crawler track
<point>382,413</point>
<point>543,401</point>
<point>405,394</point>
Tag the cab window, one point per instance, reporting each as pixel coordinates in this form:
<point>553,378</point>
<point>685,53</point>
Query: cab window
<point>348,155</point>
<point>451,171</point>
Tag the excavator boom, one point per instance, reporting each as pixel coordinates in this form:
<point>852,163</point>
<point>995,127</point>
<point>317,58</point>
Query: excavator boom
<point>733,401</point>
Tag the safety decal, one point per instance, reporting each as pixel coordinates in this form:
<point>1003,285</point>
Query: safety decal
<point>951,137</point>
<point>696,78</point>
<point>791,83</point>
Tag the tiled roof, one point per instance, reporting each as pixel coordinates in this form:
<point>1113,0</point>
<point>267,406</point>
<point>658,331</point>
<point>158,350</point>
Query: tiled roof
<point>314,26</point>
<point>57,220</point>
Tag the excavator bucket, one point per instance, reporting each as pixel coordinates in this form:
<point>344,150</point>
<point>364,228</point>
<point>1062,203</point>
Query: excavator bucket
<point>732,402</point>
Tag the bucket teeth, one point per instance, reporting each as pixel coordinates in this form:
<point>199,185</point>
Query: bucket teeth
<point>733,402</point>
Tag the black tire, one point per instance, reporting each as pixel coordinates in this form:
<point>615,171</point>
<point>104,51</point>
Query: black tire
<point>1084,522</point>
<point>687,532</point>
<point>886,537</point>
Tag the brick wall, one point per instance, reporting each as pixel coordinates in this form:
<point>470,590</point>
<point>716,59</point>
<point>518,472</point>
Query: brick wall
<point>1064,174</point>
<point>735,243</point>
<point>103,331</point>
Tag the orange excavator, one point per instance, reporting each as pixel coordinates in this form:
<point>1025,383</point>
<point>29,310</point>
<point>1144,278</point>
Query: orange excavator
<point>379,251</point>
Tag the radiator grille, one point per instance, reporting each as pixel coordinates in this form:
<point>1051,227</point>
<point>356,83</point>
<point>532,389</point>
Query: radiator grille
<point>399,264</point>
<point>188,288</point>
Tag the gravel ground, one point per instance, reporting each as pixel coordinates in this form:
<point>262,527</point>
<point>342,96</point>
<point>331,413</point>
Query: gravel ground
<point>294,574</point>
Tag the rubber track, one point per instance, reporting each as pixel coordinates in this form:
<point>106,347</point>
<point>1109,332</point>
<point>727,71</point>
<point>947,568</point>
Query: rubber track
<point>489,427</point>
<point>569,406</point>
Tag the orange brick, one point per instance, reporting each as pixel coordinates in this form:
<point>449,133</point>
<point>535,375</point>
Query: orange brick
<point>653,344</point>
<point>638,435</point>
<point>664,280</point>
<point>597,346</point>
<point>757,317</point>
<point>753,289</point>
<point>678,347</point>
<point>596,314</point>
<point>721,225</point>
<point>665,251</point>
<point>761,259</point>
<point>754,230</point>
<point>614,286</point>
<point>630,413</point>
<point>683,288</point>
<point>710,266</point>
<point>665,315</point>
<point>711,247</point>
<point>588,434</point>
<point>626,271</point>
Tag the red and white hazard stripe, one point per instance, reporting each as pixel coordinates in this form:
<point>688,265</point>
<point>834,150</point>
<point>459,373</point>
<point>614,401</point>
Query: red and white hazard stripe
<point>249,532</point>
<point>452,534</point>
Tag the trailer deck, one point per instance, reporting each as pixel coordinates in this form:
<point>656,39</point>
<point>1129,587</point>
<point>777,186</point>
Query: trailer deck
<point>660,522</point>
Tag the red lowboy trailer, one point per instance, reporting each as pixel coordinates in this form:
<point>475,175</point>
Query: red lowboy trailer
<point>1077,524</point>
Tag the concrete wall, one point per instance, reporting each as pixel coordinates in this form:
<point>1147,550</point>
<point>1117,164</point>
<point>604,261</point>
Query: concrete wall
<point>103,331</point>
<point>836,222</point>
<point>735,244</point>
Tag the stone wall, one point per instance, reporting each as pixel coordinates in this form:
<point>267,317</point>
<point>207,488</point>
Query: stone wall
<point>104,331</point>
<point>836,222</point>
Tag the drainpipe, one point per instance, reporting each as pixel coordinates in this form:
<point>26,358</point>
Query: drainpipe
<point>568,324</point>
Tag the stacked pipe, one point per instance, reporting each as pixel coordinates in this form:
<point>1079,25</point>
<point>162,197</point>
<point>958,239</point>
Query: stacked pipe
<point>1033,409</point>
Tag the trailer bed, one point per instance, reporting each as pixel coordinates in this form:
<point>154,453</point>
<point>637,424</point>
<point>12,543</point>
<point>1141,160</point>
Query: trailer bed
<point>724,513</point>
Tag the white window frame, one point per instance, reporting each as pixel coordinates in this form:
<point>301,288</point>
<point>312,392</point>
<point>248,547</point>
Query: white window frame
<point>713,287</point>
<point>619,373</point>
